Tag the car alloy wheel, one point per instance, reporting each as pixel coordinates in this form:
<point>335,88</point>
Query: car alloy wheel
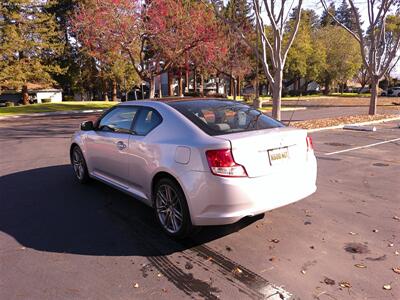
<point>169,209</point>
<point>79,165</point>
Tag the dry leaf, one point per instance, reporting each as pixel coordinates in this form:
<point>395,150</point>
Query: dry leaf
<point>390,245</point>
<point>329,281</point>
<point>237,271</point>
<point>274,241</point>
<point>159,275</point>
<point>352,233</point>
<point>303,271</point>
<point>396,218</point>
<point>164,290</point>
<point>375,230</point>
<point>345,284</point>
<point>396,270</point>
<point>136,285</point>
<point>360,266</point>
<point>387,287</point>
<point>396,252</point>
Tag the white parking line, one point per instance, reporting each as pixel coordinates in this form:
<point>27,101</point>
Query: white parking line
<point>362,147</point>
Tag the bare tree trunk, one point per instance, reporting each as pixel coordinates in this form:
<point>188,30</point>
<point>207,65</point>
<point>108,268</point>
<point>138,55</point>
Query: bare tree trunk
<point>327,90</point>
<point>238,86</point>
<point>195,81</point>
<point>105,92</point>
<point>374,95</point>
<point>277,95</point>
<point>25,95</point>
<point>152,88</point>
<point>231,85</point>
<point>114,91</point>
<point>217,84</point>
<point>170,82</point>
<point>187,80</point>
<point>234,89</point>
<point>180,85</point>
<point>202,85</point>
<point>159,87</point>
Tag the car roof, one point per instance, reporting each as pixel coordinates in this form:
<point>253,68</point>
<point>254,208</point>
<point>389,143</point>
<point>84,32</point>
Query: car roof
<point>172,100</point>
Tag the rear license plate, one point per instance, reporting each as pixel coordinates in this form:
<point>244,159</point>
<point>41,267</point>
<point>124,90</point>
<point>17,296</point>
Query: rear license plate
<point>278,155</point>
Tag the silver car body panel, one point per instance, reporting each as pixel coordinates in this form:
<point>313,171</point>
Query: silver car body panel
<point>177,147</point>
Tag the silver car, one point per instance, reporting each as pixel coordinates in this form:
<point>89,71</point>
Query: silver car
<point>196,162</point>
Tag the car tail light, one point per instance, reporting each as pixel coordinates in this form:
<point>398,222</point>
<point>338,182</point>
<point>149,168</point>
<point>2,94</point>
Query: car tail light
<point>221,163</point>
<point>310,146</point>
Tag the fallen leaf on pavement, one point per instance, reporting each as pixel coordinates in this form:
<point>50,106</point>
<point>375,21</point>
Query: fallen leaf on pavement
<point>387,287</point>
<point>272,258</point>
<point>136,285</point>
<point>390,245</point>
<point>274,241</point>
<point>303,271</point>
<point>396,218</point>
<point>375,230</point>
<point>352,233</point>
<point>345,284</point>
<point>237,271</point>
<point>360,266</point>
<point>164,290</point>
<point>227,248</point>
<point>396,270</point>
<point>396,252</point>
<point>329,281</point>
<point>159,275</point>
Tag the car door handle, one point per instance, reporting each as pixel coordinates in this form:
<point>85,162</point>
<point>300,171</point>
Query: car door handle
<point>121,145</point>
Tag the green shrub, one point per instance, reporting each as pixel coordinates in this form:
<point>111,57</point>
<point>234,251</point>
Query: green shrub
<point>9,104</point>
<point>46,100</point>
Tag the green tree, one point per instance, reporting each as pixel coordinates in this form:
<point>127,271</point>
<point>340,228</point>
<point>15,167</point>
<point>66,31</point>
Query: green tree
<point>305,58</point>
<point>29,42</point>
<point>326,16</point>
<point>346,16</point>
<point>343,59</point>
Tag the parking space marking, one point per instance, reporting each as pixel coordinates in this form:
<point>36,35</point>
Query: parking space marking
<point>362,147</point>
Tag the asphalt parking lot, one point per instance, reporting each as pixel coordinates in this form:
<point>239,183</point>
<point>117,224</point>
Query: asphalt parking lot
<point>62,240</point>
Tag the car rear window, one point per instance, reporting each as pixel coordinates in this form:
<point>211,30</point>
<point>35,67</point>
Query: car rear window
<point>217,117</point>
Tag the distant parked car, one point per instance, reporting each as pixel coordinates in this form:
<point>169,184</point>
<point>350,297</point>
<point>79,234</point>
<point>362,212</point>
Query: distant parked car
<point>196,162</point>
<point>394,92</point>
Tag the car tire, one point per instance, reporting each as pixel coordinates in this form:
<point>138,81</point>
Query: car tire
<point>79,165</point>
<point>172,212</point>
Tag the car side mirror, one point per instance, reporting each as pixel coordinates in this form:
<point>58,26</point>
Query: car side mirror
<point>87,126</point>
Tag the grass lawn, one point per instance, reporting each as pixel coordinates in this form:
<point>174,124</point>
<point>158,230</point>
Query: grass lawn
<point>51,107</point>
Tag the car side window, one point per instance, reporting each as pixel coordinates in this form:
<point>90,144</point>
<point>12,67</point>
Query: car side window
<point>118,120</point>
<point>147,120</point>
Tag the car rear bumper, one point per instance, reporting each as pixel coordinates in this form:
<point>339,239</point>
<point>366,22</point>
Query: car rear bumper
<point>214,200</point>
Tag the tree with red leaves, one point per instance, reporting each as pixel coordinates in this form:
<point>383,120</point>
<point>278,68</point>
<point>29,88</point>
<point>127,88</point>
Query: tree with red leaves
<point>155,37</point>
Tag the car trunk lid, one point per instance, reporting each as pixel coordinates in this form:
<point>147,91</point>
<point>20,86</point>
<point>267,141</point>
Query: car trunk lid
<point>266,151</point>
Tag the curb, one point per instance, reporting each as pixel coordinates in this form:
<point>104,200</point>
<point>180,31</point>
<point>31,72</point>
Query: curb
<point>355,124</point>
<point>56,113</point>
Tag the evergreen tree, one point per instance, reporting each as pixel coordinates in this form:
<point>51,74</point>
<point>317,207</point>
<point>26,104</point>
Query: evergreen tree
<point>326,18</point>
<point>346,16</point>
<point>29,42</point>
<point>240,12</point>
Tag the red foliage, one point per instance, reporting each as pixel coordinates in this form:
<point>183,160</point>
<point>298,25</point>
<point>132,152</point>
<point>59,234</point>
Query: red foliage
<point>107,27</point>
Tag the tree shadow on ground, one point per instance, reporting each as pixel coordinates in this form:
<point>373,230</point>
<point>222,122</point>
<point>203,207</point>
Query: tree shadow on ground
<point>46,209</point>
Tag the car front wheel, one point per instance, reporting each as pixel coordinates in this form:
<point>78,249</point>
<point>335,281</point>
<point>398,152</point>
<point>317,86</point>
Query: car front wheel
<point>79,164</point>
<point>171,209</point>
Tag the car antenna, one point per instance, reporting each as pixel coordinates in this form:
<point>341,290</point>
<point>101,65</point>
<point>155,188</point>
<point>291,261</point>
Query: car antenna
<point>291,117</point>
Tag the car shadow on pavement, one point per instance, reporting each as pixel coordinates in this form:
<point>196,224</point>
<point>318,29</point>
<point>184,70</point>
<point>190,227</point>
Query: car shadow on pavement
<point>46,209</point>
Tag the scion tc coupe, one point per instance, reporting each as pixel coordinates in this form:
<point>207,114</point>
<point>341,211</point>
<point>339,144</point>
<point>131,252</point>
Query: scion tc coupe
<point>196,162</point>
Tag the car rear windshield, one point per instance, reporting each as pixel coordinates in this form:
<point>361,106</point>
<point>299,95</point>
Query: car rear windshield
<point>217,117</point>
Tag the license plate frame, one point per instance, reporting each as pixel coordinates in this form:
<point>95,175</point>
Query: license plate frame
<point>278,155</point>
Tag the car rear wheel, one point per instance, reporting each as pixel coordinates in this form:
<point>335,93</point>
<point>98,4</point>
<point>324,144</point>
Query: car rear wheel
<point>79,164</point>
<point>171,209</point>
